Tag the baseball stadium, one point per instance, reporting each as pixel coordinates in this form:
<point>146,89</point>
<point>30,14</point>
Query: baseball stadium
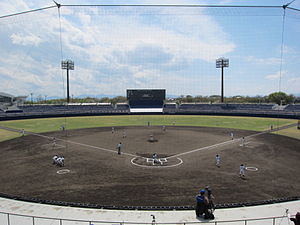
<point>149,113</point>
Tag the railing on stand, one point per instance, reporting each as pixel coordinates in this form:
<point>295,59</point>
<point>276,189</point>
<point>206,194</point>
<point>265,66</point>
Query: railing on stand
<point>19,219</point>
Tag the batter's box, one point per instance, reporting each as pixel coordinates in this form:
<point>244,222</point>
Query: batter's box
<point>160,161</point>
<point>156,163</point>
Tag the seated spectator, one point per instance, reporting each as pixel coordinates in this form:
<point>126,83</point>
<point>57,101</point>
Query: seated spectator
<point>202,204</point>
<point>296,220</point>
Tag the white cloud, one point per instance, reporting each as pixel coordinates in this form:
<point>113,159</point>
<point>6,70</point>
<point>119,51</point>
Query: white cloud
<point>276,75</point>
<point>85,19</point>
<point>22,39</point>
<point>118,32</point>
<point>263,61</point>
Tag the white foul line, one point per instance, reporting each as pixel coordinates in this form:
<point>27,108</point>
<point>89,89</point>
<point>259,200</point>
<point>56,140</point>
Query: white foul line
<point>231,141</point>
<point>173,156</point>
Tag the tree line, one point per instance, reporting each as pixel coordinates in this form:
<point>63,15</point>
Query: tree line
<point>279,98</point>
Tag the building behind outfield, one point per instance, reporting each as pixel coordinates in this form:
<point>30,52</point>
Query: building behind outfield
<point>9,103</point>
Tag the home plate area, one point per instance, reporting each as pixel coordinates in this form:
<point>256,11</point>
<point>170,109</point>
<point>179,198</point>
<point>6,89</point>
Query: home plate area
<point>159,160</point>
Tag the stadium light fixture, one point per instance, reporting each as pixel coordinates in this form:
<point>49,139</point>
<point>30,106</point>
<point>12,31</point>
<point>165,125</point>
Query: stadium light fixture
<point>67,65</point>
<point>31,94</point>
<point>221,63</point>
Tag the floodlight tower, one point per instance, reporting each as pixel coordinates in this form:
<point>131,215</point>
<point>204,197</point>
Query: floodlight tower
<point>221,63</point>
<point>67,65</point>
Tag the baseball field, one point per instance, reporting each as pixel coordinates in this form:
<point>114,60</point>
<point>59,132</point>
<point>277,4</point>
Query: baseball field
<point>186,147</point>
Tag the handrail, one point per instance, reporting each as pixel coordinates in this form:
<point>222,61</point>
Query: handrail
<point>90,222</point>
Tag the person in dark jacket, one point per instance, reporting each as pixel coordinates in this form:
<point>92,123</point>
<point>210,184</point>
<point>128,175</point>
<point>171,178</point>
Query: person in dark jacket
<point>201,203</point>
<point>296,220</point>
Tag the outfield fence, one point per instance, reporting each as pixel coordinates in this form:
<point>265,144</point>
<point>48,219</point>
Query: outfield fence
<point>19,219</point>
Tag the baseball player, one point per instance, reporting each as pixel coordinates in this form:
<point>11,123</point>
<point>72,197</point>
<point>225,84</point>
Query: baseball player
<point>55,159</point>
<point>59,161</point>
<point>112,130</point>
<point>242,170</point>
<point>151,138</point>
<point>243,141</point>
<point>54,142</point>
<point>231,135</point>
<point>119,146</point>
<point>164,128</point>
<point>154,157</point>
<point>218,160</point>
<point>62,161</point>
<point>124,134</point>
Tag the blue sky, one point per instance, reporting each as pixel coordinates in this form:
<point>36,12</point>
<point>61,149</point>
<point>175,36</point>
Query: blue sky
<point>149,47</point>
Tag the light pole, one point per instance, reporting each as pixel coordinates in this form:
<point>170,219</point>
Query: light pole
<point>31,98</point>
<point>221,63</point>
<point>67,65</point>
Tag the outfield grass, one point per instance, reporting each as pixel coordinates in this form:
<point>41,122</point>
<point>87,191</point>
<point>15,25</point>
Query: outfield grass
<point>290,132</point>
<point>6,135</point>
<point>54,124</point>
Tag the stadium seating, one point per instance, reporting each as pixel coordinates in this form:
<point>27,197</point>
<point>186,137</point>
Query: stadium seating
<point>170,108</point>
<point>45,110</point>
<point>293,108</point>
<point>122,108</point>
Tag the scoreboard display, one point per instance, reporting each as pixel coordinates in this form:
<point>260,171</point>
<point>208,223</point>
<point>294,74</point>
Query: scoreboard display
<point>146,98</point>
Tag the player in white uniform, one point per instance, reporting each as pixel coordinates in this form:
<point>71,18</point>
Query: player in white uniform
<point>23,132</point>
<point>231,135</point>
<point>112,130</point>
<point>242,170</point>
<point>243,141</point>
<point>62,161</point>
<point>218,160</point>
<point>55,159</point>
<point>124,134</point>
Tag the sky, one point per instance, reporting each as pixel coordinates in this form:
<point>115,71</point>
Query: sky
<point>173,48</point>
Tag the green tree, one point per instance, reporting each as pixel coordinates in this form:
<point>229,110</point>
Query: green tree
<point>118,99</point>
<point>281,98</point>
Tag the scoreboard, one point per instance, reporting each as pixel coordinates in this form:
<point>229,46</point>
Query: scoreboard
<point>146,98</point>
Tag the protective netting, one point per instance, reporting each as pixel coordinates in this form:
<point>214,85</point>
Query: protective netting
<point>175,48</point>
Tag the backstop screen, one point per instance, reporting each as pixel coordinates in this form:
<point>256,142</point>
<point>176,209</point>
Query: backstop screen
<point>146,98</point>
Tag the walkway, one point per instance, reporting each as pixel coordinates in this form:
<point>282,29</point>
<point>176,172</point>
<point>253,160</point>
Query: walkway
<point>115,216</point>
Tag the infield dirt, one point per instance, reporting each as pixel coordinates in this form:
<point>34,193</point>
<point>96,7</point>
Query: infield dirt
<point>99,175</point>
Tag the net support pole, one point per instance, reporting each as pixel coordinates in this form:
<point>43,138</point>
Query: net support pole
<point>222,84</point>
<point>68,87</point>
